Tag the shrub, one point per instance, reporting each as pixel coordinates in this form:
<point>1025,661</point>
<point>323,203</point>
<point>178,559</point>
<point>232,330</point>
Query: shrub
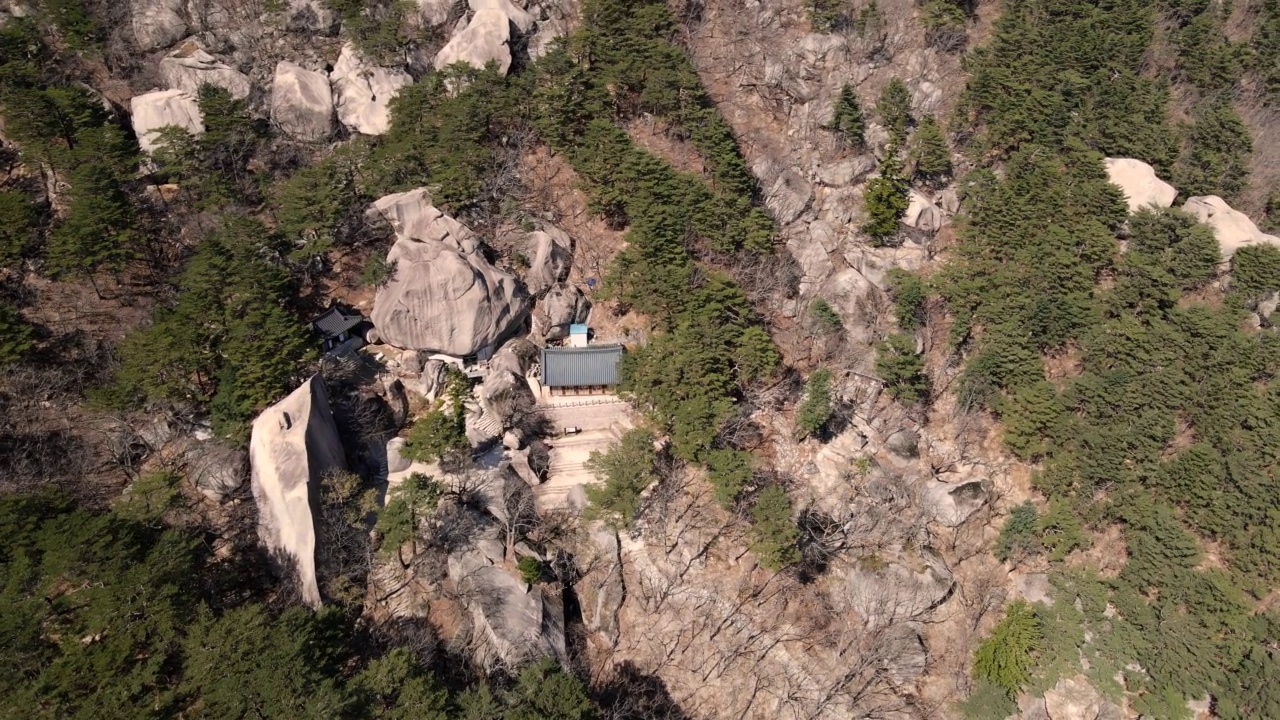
<point>909,294</point>
<point>625,471</point>
<point>1216,150</point>
<point>530,569</point>
<point>1018,534</point>
<point>825,319</point>
<point>377,271</point>
<point>944,24</point>
<point>437,434</point>
<point>902,369</point>
<point>729,472</point>
<point>815,410</point>
<point>1255,271</point>
<point>774,534</point>
<point>1005,658</point>
<point>826,15</point>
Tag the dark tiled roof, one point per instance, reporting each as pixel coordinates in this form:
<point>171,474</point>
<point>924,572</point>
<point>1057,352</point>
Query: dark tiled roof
<point>335,322</point>
<point>579,367</point>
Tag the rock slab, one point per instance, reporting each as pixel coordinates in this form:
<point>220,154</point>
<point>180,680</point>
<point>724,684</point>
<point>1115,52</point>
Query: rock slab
<point>363,92</point>
<point>301,102</point>
<point>486,38</point>
<point>293,444</point>
<point>1138,181</point>
<point>189,66</point>
<point>156,110</point>
<point>157,23</point>
<point>1233,228</point>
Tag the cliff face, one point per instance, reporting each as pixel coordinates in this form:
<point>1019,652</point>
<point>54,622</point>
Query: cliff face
<point>294,443</point>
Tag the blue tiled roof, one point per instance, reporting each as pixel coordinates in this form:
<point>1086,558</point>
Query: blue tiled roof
<point>580,367</point>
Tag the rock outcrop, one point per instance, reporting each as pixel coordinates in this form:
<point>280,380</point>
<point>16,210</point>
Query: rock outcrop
<point>521,18</point>
<point>1138,181</point>
<point>363,92</point>
<point>953,503</point>
<point>888,591</point>
<point>1233,228</point>
<point>293,444</point>
<point>157,23</point>
<point>301,102</point>
<point>520,623</point>
<point>311,16</point>
<point>486,38</point>
<point>445,297</point>
<point>562,306</point>
<point>189,66</point>
<point>434,12</point>
<point>550,253</point>
<point>156,110</point>
<point>922,214</point>
<point>1075,699</point>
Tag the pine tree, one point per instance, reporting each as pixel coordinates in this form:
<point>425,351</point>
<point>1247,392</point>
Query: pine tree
<point>1005,658</point>
<point>15,334</point>
<point>774,533</point>
<point>930,155</point>
<point>848,119</point>
<point>902,369</point>
<point>625,471</point>
<point>98,230</point>
<point>885,202</point>
<point>894,110</point>
<point>815,410</point>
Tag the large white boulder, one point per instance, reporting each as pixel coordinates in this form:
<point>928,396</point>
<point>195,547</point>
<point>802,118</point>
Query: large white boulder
<point>294,443</point>
<point>518,622</point>
<point>922,214</point>
<point>189,66</point>
<point>157,23</point>
<point>1233,228</point>
<point>363,92</point>
<point>155,110</point>
<point>550,252</point>
<point>412,215</point>
<point>301,102</point>
<point>445,297</point>
<point>484,39</point>
<point>518,16</point>
<point>562,306</point>
<point>1138,181</point>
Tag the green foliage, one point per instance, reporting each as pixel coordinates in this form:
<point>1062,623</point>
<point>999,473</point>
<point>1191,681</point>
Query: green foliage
<point>730,471</point>
<point>902,368</point>
<point>1018,534</point>
<point>987,701</point>
<point>530,569</point>
<point>437,434</point>
<point>944,24</point>
<point>17,226</point>
<point>16,335</point>
<point>625,471</point>
<point>815,409</point>
<point>1062,69</point>
<point>894,110</point>
<point>825,319</point>
<point>324,204</point>
<point>1030,413</point>
<point>150,497</point>
<point>227,342</point>
<point>377,271</point>
<point>774,534</point>
<point>98,231</point>
<point>848,118</point>
<point>1216,150</point>
<point>929,153</point>
<point>1005,658</point>
<point>909,293</point>
<point>213,167</point>
<point>408,503</point>
<point>826,15</point>
<point>885,202</point>
<point>1169,253</point>
<point>1255,271</point>
<point>376,26</point>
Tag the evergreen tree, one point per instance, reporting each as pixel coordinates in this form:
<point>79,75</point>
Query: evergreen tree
<point>909,294</point>
<point>885,202</point>
<point>1215,155</point>
<point>929,153</point>
<point>409,503</point>
<point>1005,658</point>
<point>17,226</point>
<point>729,472</point>
<point>774,534</point>
<point>98,230</point>
<point>894,110</point>
<point>1255,271</point>
<point>848,119</point>
<point>1018,534</point>
<point>902,369</point>
<point>815,410</point>
<point>437,434</point>
<point>16,335</point>
<point>625,470</point>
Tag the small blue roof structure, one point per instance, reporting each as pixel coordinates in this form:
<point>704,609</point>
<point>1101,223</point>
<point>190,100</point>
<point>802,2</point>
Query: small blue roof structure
<point>596,365</point>
<point>578,329</point>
